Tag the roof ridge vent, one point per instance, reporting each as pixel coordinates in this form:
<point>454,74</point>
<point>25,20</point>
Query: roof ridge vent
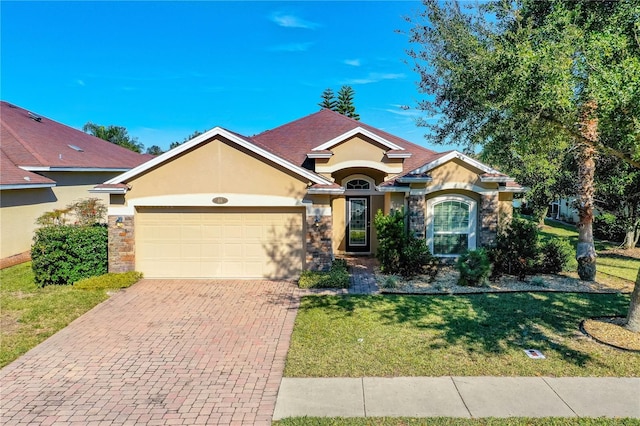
<point>35,117</point>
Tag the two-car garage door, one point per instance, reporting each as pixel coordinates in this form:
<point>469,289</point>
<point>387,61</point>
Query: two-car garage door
<point>219,242</point>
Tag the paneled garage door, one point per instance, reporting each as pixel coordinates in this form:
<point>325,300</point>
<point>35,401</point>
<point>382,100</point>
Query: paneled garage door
<point>219,243</point>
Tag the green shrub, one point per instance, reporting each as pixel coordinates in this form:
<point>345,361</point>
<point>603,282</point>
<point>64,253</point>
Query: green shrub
<point>516,250</point>
<point>109,281</point>
<point>389,281</point>
<point>391,239</point>
<point>400,253</point>
<point>66,254</point>
<point>554,255</point>
<point>86,212</point>
<point>474,268</point>
<point>336,277</point>
<point>89,211</point>
<point>416,259</point>
<point>538,282</point>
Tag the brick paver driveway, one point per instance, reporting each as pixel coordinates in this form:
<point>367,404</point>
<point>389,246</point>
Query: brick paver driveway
<point>160,352</point>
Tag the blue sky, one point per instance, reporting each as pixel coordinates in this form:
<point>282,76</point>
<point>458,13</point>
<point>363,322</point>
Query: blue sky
<point>165,69</point>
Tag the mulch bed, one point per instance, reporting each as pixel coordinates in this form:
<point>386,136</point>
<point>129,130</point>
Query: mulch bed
<point>611,331</point>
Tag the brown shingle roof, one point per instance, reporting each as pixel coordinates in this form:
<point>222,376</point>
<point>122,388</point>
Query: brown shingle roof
<point>30,140</point>
<point>14,175</point>
<point>294,140</point>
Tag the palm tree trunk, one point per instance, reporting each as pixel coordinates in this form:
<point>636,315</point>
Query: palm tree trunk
<point>586,252</point>
<point>633,317</point>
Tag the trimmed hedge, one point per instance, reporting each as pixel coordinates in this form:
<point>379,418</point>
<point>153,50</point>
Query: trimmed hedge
<point>66,254</point>
<point>336,277</point>
<point>109,281</point>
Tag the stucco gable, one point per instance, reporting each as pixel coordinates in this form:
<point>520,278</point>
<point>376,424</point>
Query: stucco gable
<point>217,166</point>
<point>196,143</point>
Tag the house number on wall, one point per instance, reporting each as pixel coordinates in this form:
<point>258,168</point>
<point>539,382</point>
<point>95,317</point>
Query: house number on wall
<point>220,200</point>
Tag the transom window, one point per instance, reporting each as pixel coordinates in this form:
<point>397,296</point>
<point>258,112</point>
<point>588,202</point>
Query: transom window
<point>451,225</point>
<point>358,184</point>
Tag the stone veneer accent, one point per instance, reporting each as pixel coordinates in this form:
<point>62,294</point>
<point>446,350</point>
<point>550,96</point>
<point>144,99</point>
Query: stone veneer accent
<point>319,245</point>
<point>417,215</point>
<point>122,256</point>
<point>489,213</point>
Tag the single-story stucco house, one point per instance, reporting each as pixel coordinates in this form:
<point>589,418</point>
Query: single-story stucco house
<point>224,205</point>
<point>45,165</point>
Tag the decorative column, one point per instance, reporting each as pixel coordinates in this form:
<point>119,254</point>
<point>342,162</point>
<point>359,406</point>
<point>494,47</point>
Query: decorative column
<point>319,244</point>
<point>122,256</point>
<point>489,214</point>
<point>417,211</point>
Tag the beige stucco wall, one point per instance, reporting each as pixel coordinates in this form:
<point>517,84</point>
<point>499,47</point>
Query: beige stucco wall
<point>19,208</point>
<point>357,148</point>
<point>338,209</point>
<point>459,172</point>
<point>359,151</point>
<point>218,167</point>
<point>505,206</point>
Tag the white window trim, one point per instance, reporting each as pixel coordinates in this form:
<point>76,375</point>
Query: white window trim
<point>473,219</point>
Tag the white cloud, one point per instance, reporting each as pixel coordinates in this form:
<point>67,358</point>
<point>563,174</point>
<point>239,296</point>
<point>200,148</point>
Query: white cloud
<point>400,110</point>
<point>374,77</point>
<point>352,62</point>
<point>291,21</point>
<point>291,47</point>
<point>80,82</point>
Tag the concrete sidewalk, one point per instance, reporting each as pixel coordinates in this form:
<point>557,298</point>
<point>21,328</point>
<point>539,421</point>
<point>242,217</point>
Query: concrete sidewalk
<point>459,397</point>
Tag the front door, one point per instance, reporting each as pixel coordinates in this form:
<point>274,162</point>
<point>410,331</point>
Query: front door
<point>358,224</point>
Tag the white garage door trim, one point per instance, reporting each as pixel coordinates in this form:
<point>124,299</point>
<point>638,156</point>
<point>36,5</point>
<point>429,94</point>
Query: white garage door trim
<point>207,243</point>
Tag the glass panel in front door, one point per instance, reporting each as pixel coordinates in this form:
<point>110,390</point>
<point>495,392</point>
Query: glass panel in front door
<point>358,222</point>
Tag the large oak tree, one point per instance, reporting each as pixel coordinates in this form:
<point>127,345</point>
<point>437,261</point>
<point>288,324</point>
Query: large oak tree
<point>522,77</point>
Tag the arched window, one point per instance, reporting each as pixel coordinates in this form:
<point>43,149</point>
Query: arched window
<point>358,184</point>
<point>451,225</point>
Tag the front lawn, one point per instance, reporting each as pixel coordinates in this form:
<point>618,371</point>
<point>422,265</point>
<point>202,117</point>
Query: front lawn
<point>611,262</point>
<point>475,335</point>
<point>30,314</point>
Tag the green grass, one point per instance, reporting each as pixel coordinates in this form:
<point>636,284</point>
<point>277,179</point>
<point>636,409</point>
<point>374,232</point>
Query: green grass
<point>452,421</point>
<point>29,314</point>
<point>476,335</point>
<point>612,264</point>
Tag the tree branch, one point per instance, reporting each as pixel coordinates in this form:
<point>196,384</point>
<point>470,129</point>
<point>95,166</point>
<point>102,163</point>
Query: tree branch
<point>594,144</point>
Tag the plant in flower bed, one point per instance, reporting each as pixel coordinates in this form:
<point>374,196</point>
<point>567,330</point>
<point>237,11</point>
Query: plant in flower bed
<point>336,277</point>
<point>519,251</point>
<point>401,253</point>
<point>474,268</point>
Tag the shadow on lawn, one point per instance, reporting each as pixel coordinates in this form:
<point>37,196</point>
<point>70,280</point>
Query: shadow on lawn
<point>493,323</point>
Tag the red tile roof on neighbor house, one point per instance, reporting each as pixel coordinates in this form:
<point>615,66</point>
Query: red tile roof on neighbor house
<point>36,143</point>
<point>294,140</point>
